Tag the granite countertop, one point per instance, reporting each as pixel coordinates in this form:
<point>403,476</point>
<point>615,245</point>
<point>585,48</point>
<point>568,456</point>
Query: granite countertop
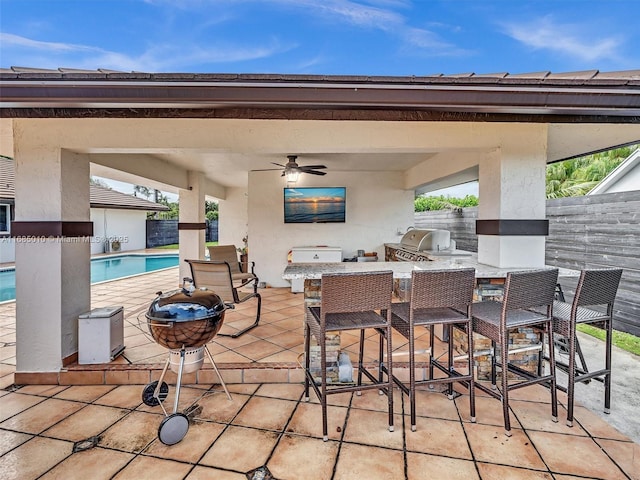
<point>404,269</point>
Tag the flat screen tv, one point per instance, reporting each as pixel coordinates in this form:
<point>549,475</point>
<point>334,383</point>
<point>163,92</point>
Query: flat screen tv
<point>314,205</point>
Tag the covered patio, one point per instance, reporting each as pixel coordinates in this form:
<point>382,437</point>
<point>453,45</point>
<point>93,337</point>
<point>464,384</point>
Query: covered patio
<point>216,136</point>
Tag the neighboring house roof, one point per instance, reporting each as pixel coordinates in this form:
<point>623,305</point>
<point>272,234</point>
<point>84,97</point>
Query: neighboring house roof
<point>584,96</point>
<point>624,178</point>
<point>99,197</point>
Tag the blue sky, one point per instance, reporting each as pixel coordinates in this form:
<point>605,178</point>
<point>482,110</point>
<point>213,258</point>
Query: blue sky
<point>374,37</point>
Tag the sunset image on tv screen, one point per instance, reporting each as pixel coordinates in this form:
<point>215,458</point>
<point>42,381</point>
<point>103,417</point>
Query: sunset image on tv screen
<point>314,205</point>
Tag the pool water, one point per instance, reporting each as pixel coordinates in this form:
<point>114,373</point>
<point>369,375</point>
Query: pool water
<point>102,269</point>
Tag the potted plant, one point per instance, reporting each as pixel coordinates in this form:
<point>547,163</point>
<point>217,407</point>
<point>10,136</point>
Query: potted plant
<point>244,253</point>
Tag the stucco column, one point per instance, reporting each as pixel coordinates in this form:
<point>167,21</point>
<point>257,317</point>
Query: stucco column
<point>52,232</point>
<point>511,224</point>
<point>191,225</point>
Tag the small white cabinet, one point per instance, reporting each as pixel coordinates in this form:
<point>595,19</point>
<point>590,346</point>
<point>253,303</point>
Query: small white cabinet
<point>312,255</point>
<point>100,335</point>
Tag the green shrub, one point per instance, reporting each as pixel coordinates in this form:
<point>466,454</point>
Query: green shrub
<point>429,203</point>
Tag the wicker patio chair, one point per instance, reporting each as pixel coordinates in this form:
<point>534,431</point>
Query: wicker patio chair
<point>217,276</point>
<point>240,274</point>
<point>350,301</point>
<point>523,293</point>
<point>437,297</point>
<point>597,288</point>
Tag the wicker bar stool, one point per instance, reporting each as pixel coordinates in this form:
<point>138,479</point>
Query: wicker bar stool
<point>350,301</point>
<point>437,297</point>
<point>596,288</point>
<point>524,292</point>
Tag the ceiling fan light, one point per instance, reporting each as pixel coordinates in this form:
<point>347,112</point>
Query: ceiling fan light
<point>292,176</point>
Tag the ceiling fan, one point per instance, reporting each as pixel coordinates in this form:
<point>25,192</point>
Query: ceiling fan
<point>292,170</point>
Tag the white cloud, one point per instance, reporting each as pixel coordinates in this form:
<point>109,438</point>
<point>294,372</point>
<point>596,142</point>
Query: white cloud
<point>581,41</point>
<point>430,43</point>
<point>9,40</point>
<point>165,57</point>
<point>382,19</point>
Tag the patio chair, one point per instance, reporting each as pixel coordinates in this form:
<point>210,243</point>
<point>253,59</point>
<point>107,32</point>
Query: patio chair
<point>350,301</point>
<point>217,276</point>
<point>597,289</point>
<point>524,292</point>
<point>239,272</point>
<point>437,297</point>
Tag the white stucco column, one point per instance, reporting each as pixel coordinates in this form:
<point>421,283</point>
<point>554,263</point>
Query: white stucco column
<point>233,216</point>
<point>191,225</point>
<point>511,215</point>
<point>52,230</point>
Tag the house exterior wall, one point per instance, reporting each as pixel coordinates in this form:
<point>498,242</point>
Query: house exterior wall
<point>628,183</point>
<point>377,208</point>
<point>7,250</point>
<point>127,226</point>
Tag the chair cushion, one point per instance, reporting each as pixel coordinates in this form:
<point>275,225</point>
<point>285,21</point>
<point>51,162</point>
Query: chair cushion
<point>349,320</point>
<point>424,316</point>
<point>562,317</point>
<point>486,318</point>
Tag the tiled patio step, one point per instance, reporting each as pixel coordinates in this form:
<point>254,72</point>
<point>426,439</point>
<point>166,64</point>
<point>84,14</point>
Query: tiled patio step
<point>141,374</point>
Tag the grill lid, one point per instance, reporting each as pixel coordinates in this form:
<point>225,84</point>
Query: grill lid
<point>183,306</point>
<point>426,239</point>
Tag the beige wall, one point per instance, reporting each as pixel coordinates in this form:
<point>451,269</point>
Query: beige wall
<point>233,217</point>
<point>377,207</point>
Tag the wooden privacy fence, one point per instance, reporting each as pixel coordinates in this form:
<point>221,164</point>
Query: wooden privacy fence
<point>584,232</point>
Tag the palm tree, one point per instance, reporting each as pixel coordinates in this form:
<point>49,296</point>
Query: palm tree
<point>576,177</point>
<point>142,190</point>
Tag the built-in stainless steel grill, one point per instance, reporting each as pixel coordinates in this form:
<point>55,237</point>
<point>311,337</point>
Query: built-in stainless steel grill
<point>420,240</point>
<point>417,244</point>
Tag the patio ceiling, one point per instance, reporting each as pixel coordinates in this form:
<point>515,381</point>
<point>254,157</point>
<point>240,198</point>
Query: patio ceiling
<point>556,99</point>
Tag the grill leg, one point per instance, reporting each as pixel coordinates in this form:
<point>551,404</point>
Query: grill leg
<point>179,381</point>
<point>156,393</point>
<point>215,367</point>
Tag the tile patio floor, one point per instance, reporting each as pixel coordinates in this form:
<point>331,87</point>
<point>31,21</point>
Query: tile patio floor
<point>267,423</point>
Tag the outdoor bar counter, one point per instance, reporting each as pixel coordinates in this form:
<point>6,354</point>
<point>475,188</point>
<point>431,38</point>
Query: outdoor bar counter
<point>314,271</point>
<point>489,285</point>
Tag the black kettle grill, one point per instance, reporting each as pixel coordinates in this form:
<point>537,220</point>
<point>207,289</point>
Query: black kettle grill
<point>183,321</point>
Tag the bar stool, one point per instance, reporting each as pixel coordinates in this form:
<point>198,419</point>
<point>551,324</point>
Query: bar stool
<point>524,293</point>
<point>437,297</point>
<point>596,288</point>
<point>350,301</point>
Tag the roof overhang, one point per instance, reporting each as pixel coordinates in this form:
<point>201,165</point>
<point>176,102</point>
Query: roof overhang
<point>584,97</point>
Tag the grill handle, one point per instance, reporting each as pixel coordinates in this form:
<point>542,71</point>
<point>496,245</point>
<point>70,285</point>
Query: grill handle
<point>161,324</point>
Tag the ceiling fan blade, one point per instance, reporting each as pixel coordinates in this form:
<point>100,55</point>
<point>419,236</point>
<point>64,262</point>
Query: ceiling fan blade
<point>265,169</point>
<point>314,172</point>
<point>283,166</point>
<point>312,166</point>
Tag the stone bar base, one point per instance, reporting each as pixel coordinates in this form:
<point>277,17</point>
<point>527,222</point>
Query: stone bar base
<point>312,292</point>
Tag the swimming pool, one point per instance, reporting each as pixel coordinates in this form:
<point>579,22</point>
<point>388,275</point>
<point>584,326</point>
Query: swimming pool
<point>102,270</point>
